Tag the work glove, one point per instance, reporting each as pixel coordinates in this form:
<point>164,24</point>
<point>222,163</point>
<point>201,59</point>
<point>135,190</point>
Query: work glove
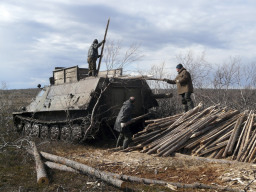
<point>123,125</point>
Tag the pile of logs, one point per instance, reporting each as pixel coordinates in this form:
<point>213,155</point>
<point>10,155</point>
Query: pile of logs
<point>214,132</point>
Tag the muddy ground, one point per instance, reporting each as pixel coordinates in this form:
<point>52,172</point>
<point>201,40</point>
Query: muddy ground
<point>17,171</point>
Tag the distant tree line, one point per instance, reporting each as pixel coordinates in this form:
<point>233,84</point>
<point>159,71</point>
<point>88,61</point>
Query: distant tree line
<point>231,84</point>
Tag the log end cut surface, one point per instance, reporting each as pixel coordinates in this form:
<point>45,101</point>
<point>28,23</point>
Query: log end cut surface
<point>43,181</point>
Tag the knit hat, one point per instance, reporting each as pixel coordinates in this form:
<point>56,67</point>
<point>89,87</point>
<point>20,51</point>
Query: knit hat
<point>179,66</point>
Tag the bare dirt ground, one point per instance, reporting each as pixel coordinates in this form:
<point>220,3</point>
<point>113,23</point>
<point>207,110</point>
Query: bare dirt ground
<point>173,169</point>
<point>17,172</point>
<point>17,167</point>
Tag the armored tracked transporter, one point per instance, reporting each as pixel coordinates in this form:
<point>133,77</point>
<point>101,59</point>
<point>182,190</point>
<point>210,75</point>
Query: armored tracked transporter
<point>76,106</point>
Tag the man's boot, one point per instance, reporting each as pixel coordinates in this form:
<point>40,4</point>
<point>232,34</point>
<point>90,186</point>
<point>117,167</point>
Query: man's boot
<point>126,142</point>
<point>119,140</point>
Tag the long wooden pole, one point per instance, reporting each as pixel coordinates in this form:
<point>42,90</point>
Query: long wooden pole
<point>102,48</point>
<point>85,169</point>
<point>130,178</point>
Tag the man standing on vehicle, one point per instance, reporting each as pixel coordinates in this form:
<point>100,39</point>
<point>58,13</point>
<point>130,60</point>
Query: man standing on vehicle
<point>124,116</point>
<point>93,56</point>
<point>184,86</point>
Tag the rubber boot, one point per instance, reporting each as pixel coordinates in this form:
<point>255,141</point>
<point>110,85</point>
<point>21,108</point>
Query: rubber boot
<point>126,142</point>
<point>119,140</point>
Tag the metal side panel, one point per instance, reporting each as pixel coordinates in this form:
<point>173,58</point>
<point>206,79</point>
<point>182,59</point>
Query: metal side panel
<point>66,96</point>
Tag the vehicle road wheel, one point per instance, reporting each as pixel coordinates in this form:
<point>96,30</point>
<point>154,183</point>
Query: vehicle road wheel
<point>55,132</point>
<point>65,133</point>
<point>19,127</point>
<point>44,134</point>
<point>35,130</point>
<point>27,129</point>
<point>76,133</point>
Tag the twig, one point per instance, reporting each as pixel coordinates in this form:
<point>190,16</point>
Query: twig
<point>93,112</point>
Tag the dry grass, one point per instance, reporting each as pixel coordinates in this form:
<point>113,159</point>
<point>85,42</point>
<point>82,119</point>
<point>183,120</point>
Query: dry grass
<point>17,171</point>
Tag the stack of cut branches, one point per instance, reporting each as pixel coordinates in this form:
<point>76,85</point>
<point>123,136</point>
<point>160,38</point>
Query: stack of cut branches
<point>214,132</point>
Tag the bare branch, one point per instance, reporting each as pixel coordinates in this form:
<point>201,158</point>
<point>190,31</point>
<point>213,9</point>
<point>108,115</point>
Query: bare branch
<point>113,52</point>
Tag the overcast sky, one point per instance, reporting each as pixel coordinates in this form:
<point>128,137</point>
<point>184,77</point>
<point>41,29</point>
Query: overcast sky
<point>36,36</point>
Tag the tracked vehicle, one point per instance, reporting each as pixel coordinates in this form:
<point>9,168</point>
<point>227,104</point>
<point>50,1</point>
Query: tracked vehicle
<point>75,106</point>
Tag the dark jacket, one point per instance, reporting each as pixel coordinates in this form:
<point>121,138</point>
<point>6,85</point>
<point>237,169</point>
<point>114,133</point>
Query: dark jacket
<point>124,115</point>
<point>93,50</point>
<point>185,82</point>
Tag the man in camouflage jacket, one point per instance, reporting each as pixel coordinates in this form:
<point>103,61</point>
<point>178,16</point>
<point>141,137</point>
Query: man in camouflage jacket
<point>184,86</point>
<point>93,56</point>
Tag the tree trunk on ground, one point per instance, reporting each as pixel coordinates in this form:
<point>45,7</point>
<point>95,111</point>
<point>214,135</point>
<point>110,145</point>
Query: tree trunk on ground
<point>153,181</point>
<point>40,170</point>
<point>178,185</point>
<point>60,167</point>
<point>85,169</point>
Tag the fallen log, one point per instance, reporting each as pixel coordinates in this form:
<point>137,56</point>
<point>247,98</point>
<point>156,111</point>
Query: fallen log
<point>40,170</point>
<point>158,182</point>
<point>178,185</point>
<point>85,169</point>
<point>60,167</point>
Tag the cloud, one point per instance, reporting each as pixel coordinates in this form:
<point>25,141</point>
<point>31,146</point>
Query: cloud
<point>37,36</point>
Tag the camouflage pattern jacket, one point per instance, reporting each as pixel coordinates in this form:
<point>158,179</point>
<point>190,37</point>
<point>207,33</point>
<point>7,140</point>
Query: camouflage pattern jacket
<point>93,50</point>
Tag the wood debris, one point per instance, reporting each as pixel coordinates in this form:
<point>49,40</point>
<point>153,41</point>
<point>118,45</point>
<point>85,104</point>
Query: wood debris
<point>215,132</point>
<point>73,166</point>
